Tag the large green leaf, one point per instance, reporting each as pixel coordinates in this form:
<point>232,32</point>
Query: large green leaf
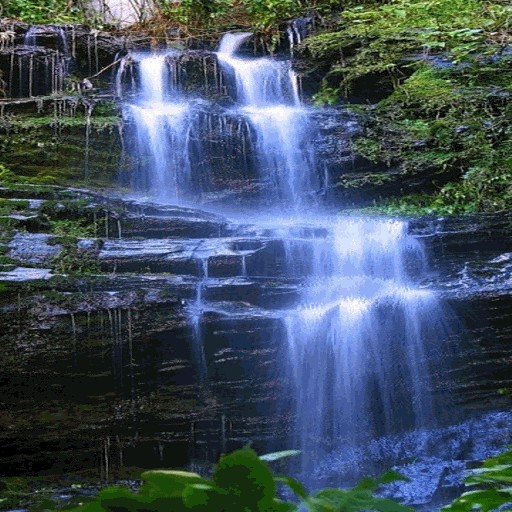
<point>116,499</point>
<point>168,482</point>
<point>282,506</point>
<point>204,498</point>
<point>247,480</point>
<point>387,478</point>
<point>484,501</point>
<point>93,506</point>
<point>504,458</point>
<point>354,500</point>
<point>496,474</point>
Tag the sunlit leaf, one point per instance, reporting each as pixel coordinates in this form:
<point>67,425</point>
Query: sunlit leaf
<point>270,457</point>
<point>484,501</point>
<point>168,482</point>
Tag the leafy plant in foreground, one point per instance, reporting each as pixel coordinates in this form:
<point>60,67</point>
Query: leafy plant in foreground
<point>241,482</point>
<point>494,480</point>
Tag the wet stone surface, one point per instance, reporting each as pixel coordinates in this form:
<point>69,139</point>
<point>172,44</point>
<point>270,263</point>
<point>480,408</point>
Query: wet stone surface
<point>115,355</point>
<point>34,248</point>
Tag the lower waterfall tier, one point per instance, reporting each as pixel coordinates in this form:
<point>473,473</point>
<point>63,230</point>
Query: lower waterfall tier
<point>113,355</point>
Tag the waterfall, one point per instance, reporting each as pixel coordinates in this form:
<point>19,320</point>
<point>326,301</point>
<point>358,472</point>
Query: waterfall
<point>163,122</point>
<point>359,343</point>
<point>174,132</point>
<point>267,92</point>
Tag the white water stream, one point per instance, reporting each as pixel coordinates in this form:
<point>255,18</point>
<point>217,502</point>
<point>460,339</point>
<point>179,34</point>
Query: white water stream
<point>358,340</point>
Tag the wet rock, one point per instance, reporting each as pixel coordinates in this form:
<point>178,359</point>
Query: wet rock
<point>32,71</point>
<point>31,223</point>
<point>336,129</point>
<point>21,274</point>
<point>34,248</point>
<point>130,338</point>
<point>468,252</point>
<point>92,245</point>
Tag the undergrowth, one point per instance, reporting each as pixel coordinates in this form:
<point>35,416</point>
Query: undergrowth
<point>447,115</point>
<point>242,481</point>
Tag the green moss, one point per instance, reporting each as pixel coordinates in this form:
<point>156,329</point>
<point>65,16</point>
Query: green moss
<point>33,122</point>
<point>377,38</point>
<point>419,206</point>
<point>6,261</point>
<point>8,206</point>
<point>445,124</point>
<point>369,148</point>
<point>71,228</point>
<point>4,288</point>
<point>41,153</point>
<point>368,179</point>
<point>44,11</point>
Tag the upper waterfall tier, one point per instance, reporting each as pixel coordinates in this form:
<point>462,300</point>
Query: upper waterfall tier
<point>261,82</point>
<point>265,133</point>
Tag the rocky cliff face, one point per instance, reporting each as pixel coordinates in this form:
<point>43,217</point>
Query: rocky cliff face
<point>109,366</point>
<point>59,110</point>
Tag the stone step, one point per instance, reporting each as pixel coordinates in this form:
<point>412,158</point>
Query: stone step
<point>212,257</point>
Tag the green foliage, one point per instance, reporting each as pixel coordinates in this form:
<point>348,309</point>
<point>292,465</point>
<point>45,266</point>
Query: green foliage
<point>42,11</point>
<point>8,206</point>
<point>448,119</point>
<point>326,96</point>
<point>267,14</point>
<point>72,228</point>
<point>241,482</point>
<point>455,124</point>
<point>494,482</point>
<point>360,498</point>
<point>7,177</point>
<point>367,179</point>
<point>376,38</point>
<point>261,16</point>
<point>197,13</point>
<point>418,206</point>
<point>72,260</point>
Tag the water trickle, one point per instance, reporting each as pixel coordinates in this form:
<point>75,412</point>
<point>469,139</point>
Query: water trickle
<point>43,71</point>
<point>89,107</point>
<point>297,30</point>
<point>30,38</point>
<point>244,266</point>
<point>196,310</point>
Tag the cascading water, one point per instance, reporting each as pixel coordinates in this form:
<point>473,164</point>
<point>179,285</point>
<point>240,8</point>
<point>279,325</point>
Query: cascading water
<point>163,121</point>
<point>357,343</point>
<point>267,93</point>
